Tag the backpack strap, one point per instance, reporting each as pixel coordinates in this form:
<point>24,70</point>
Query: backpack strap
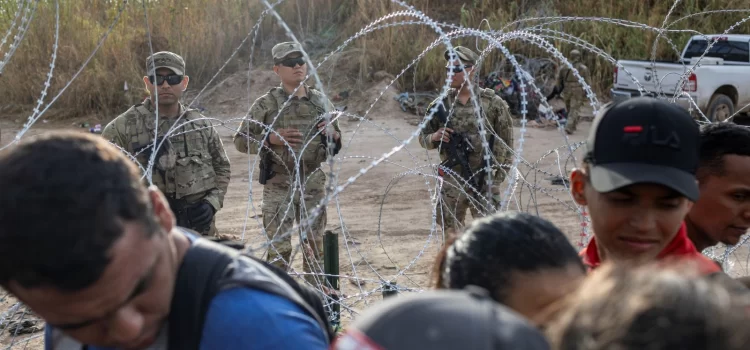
<point>209,268</point>
<point>204,265</point>
<point>248,272</point>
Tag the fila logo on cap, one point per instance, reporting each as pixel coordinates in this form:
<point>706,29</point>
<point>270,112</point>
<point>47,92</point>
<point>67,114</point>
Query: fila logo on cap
<point>636,135</point>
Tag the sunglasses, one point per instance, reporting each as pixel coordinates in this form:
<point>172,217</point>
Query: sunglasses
<point>292,62</point>
<point>457,69</point>
<point>172,79</point>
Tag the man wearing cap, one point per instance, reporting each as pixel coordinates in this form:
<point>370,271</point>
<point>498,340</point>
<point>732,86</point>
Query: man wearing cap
<point>572,90</point>
<point>291,123</point>
<point>457,195</point>
<point>638,183</point>
<point>190,166</point>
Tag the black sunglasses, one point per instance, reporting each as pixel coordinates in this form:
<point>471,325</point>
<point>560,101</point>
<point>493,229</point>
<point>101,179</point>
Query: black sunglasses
<point>292,62</point>
<point>172,79</point>
<point>457,69</point>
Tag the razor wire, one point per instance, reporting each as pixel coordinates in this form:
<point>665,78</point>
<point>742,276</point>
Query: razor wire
<point>522,172</point>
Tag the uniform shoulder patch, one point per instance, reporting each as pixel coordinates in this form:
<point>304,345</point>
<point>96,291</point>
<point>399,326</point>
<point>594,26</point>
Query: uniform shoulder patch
<point>488,93</point>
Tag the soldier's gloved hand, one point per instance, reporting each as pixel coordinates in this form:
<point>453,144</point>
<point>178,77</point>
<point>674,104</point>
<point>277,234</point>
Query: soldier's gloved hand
<point>443,134</point>
<point>201,215</point>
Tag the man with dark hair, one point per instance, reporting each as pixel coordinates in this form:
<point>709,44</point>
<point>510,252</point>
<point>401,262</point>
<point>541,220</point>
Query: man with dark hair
<point>97,255</point>
<point>722,214</point>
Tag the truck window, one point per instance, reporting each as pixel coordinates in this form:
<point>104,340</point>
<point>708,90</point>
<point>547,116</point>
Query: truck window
<point>735,51</point>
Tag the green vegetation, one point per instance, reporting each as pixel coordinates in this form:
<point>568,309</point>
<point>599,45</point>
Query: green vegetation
<point>207,32</point>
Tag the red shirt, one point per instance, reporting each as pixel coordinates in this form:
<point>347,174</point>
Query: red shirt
<point>680,247</point>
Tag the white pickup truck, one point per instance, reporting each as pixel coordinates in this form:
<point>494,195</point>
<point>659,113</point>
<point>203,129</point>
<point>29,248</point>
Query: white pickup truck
<point>719,85</point>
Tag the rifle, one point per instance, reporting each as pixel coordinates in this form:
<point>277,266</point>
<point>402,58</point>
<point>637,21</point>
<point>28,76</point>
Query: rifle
<point>458,150</point>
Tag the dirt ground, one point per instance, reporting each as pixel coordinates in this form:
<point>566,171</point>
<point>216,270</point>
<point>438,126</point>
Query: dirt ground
<point>384,234</point>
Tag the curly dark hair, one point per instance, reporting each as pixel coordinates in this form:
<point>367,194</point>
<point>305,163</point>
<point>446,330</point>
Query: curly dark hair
<point>493,248</point>
<point>65,199</point>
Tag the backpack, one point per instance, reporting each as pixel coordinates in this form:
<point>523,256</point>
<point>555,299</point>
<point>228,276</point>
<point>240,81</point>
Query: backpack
<point>209,268</point>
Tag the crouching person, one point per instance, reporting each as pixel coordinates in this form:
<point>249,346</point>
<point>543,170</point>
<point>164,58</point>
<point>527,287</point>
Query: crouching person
<point>97,255</point>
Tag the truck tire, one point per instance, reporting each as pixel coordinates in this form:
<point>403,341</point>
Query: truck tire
<point>720,108</point>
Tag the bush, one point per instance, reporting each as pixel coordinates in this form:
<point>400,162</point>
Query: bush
<point>207,32</point>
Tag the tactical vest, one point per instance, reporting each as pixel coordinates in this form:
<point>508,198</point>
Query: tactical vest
<point>183,165</point>
<point>303,115</point>
<point>464,120</point>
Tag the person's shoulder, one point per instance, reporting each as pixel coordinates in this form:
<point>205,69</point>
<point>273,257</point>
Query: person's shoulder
<point>119,122</point>
<point>234,315</point>
<point>196,117</point>
<point>706,265</point>
<point>487,93</point>
<point>494,99</point>
<point>268,100</point>
<point>134,111</point>
<point>318,98</point>
<point>263,304</point>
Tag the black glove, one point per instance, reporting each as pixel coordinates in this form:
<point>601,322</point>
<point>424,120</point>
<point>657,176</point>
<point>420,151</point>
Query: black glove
<point>201,216</point>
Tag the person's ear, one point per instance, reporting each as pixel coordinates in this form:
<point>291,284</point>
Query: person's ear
<point>147,82</point>
<point>578,183</point>
<point>184,83</point>
<point>164,215</point>
<point>276,69</point>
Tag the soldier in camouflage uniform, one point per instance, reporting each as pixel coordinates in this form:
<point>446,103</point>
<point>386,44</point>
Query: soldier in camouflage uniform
<point>191,167</point>
<point>300,123</point>
<point>572,91</point>
<point>496,117</point>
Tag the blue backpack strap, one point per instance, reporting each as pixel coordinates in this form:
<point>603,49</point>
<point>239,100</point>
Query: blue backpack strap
<point>209,268</point>
<point>204,265</point>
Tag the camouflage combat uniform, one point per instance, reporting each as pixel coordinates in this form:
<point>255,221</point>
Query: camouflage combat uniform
<point>572,92</point>
<point>199,169</point>
<point>280,206</point>
<point>496,116</point>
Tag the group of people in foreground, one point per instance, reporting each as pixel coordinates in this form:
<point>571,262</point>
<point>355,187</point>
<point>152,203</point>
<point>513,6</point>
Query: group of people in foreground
<point>98,255</point>
<point>657,190</point>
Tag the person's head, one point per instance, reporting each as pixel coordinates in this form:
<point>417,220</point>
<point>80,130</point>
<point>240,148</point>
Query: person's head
<point>288,63</point>
<point>524,261</point>
<point>575,55</point>
<point>461,62</point>
<point>441,320</point>
<point>638,177</point>
<point>722,214</point>
<point>83,242</point>
<point>653,307</point>
<point>165,77</point>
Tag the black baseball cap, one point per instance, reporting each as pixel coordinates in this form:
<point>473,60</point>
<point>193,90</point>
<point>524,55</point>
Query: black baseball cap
<point>644,140</point>
<point>441,320</point>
